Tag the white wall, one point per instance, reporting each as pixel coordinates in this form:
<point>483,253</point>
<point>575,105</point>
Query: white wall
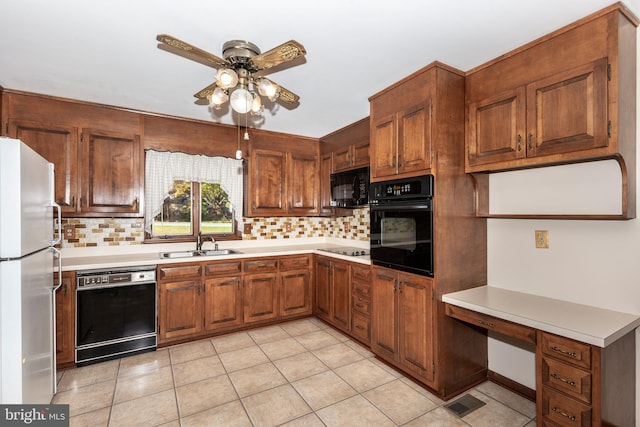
<point>589,262</point>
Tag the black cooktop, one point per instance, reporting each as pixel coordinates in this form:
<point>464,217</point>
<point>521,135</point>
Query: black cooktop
<point>348,251</point>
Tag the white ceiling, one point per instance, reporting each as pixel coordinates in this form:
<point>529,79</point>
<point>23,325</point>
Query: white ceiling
<point>106,51</point>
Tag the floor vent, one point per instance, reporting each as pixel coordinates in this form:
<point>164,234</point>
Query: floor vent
<point>465,405</point>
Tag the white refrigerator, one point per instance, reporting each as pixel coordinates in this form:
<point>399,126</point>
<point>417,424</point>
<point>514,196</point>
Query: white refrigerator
<point>27,288</point>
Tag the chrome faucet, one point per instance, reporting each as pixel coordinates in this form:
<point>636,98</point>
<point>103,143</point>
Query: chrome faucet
<point>200,239</point>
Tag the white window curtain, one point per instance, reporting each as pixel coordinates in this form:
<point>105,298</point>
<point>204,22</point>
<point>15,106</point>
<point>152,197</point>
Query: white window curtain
<point>164,167</point>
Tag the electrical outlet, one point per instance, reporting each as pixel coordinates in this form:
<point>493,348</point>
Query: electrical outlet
<point>288,227</point>
<point>69,232</point>
<point>542,239</point>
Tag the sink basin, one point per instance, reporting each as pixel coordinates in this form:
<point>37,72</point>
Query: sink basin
<point>188,254</point>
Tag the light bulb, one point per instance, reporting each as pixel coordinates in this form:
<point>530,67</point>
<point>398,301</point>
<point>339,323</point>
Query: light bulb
<point>256,107</point>
<point>226,78</point>
<point>241,100</point>
<point>239,154</point>
<point>268,88</point>
<point>218,97</point>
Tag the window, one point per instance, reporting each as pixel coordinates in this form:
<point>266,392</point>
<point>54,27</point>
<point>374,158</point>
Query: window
<point>186,195</point>
<point>180,215</point>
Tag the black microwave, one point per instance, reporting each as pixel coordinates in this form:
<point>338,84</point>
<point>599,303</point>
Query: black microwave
<point>350,188</point>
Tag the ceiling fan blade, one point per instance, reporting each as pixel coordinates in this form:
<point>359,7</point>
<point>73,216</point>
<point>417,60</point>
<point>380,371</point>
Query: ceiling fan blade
<point>210,58</point>
<point>204,93</point>
<point>279,54</point>
<point>287,96</point>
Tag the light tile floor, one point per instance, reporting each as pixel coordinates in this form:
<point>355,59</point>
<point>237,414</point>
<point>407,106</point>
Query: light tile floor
<point>300,373</point>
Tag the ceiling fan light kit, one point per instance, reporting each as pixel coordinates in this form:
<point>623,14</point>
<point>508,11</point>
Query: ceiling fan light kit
<point>235,81</point>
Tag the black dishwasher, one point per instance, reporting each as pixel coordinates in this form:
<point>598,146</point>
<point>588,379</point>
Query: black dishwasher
<point>116,313</point>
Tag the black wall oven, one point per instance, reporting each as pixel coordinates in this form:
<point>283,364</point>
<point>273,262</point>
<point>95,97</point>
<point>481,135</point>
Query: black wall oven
<point>402,224</point>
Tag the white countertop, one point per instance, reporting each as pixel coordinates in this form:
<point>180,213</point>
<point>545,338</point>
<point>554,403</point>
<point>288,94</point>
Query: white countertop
<point>151,257</point>
<point>592,325</point>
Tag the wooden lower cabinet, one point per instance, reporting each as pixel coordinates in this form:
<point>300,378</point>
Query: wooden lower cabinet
<point>333,292</point>
<point>180,301</point>
<point>200,299</point>
<point>180,309</point>
<point>295,286</point>
<point>402,321</point>
<point>65,320</point>
<point>361,303</point>
<point>222,295</point>
<point>260,293</point>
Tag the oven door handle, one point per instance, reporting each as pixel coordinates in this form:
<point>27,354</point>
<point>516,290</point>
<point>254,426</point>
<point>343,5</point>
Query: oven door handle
<point>404,206</point>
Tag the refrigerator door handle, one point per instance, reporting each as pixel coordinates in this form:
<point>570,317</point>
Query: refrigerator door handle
<point>59,226</point>
<point>58,255</point>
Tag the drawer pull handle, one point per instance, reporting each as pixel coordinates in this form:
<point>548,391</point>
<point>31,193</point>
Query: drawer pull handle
<point>360,327</point>
<point>564,414</point>
<point>566,353</point>
<point>564,380</point>
<point>488,324</point>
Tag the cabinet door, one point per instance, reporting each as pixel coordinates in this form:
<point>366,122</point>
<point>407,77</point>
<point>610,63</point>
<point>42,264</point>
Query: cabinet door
<point>342,158</point>
<point>415,320</point>
<point>496,128</point>
<point>568,111</point>
<point>267,183</point>
<point>326,169</point>
<point>414,139</point>
<point>179,309</point>
<point>303,184</point>
<point>59,145</point>
<point>322,300</point>
<point>295,293</point>
<point>222,302</point>
<point>384,332</point>
<point>260,297</point>
<point>65,319</point>
<point>360,154</point>
<point>112,173</point>
<point>384,147</point>
<point>341,294</point>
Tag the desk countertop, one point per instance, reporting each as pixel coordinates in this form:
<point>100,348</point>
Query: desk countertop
<point>592,325</point>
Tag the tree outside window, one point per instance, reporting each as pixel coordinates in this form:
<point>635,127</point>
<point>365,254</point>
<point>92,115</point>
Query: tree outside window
<point>192,208</point>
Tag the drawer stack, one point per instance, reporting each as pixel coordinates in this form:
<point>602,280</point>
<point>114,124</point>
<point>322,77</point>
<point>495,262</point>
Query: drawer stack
<point>361,303</point>
<point>566,377</point>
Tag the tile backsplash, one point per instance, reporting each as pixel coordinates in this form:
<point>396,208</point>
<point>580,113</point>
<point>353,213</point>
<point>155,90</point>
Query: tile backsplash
<point>91,232</point>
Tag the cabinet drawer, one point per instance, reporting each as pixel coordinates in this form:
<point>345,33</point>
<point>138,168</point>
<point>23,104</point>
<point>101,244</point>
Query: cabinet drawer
<point>360,272</point>
<point>491,323</point>
<point>362,289</point>
<point>294,263</point>
<point>362,305</point>
<point>222,268</point>
<point>568,379</point>
<point>173,271</point>
<point>564,411</point>
<point>567,350</point>
<point>361,326</point>
<point>261,265</point>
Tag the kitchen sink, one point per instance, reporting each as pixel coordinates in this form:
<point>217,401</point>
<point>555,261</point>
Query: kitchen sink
<point>188,254</point>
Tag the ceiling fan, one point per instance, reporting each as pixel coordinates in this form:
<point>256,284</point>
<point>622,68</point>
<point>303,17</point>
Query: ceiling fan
<point>236,79</point>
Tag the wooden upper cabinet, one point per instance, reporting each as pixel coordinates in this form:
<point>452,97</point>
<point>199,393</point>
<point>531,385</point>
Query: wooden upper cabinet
<point>303,184</point>
<point>414,138</point>
<point>402,142</point>
<point>497,128</point>
<point>352,156</point>
<point>384,147</point>
<point>282,184</point>
<point>567,111</point>
<point>267,183</point>
<point>59,145</point>
<point>563,113</point>
<point>112,173</point>
<point>326,168</point>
